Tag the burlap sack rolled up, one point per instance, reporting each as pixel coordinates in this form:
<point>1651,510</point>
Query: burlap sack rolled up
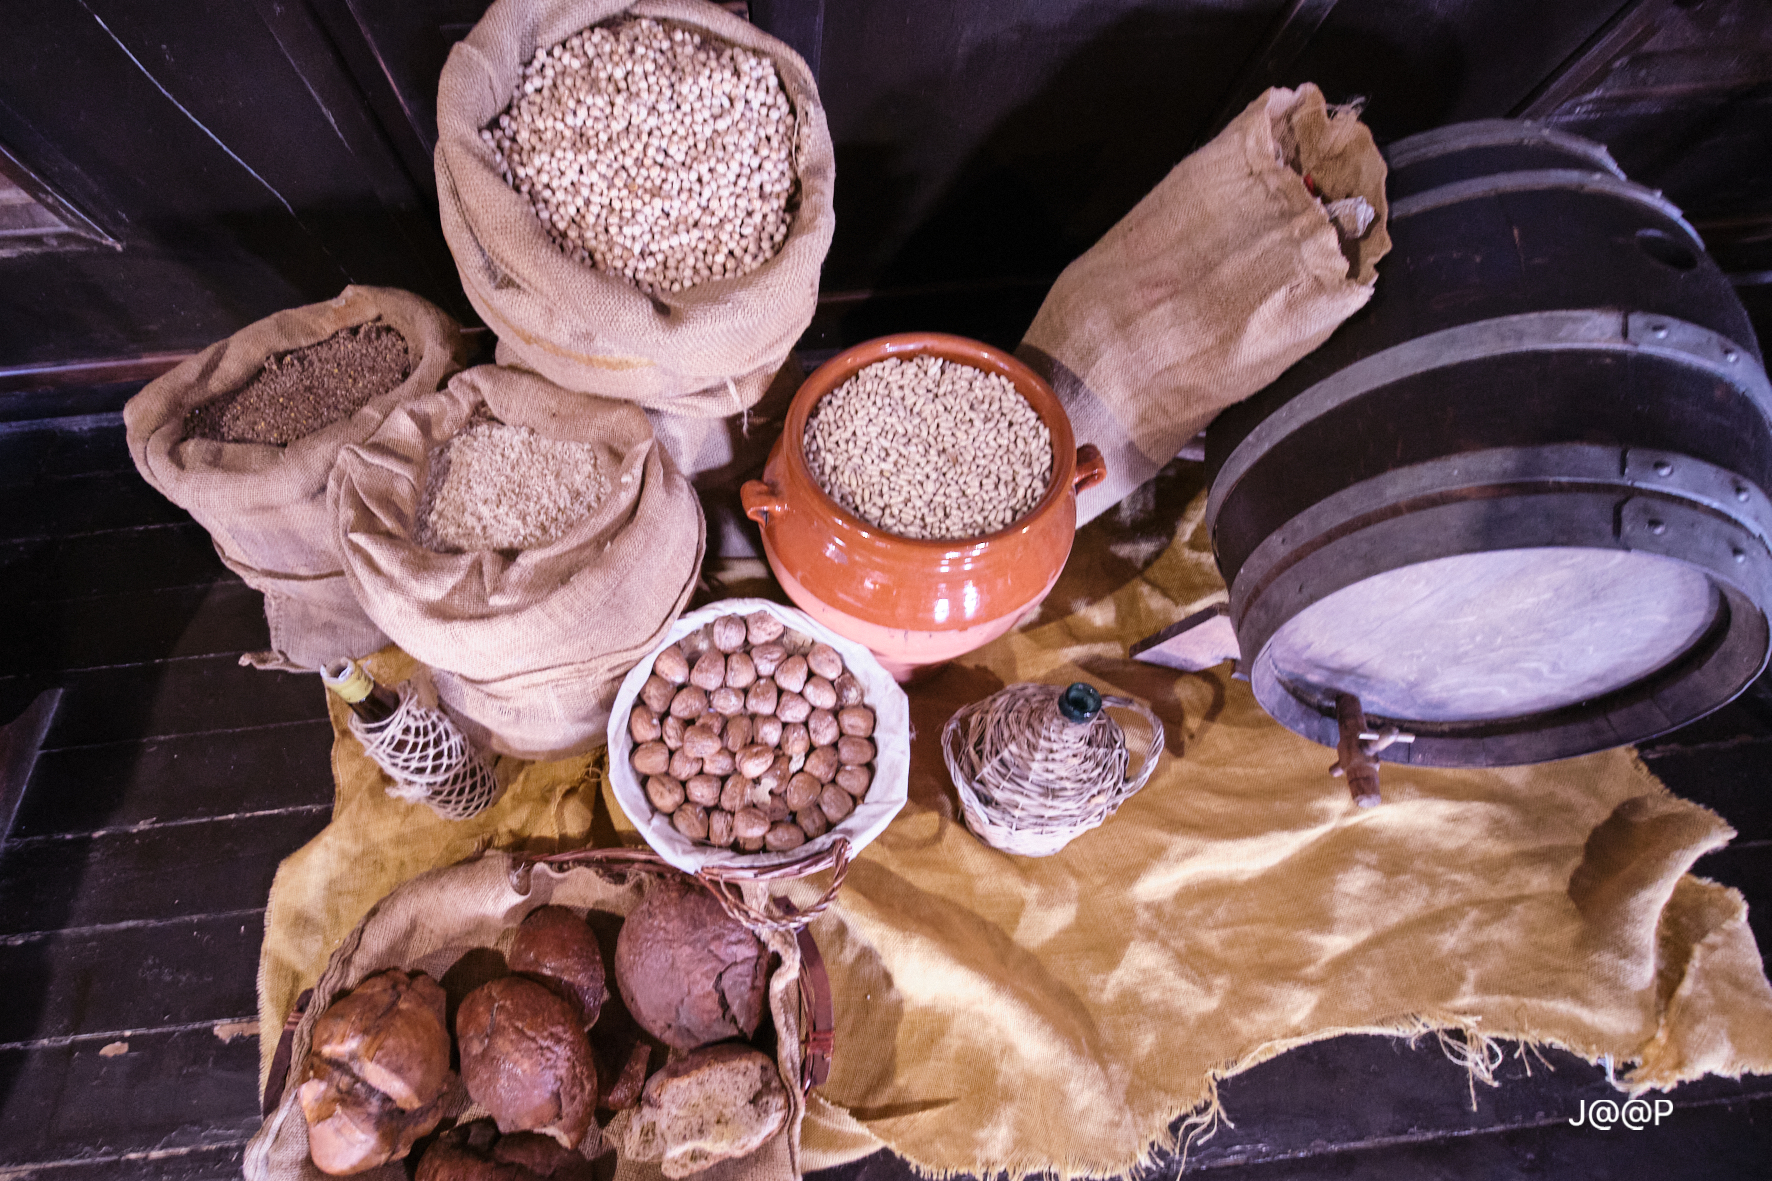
<point>1218,280</point>
<point>264,505</point>
<point>712,349</point>
<point>526,647</point>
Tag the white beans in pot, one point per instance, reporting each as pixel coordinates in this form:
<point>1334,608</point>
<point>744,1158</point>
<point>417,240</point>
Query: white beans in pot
<point>928,448</point>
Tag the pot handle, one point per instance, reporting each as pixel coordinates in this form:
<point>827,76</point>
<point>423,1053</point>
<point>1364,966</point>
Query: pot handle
<point>759,500</point>
<point>1091,468</point>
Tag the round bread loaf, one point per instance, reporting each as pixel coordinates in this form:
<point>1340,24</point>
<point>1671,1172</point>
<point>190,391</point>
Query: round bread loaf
<point>689,972</point>
<point>525,1059</point>
<point>377,1072</point>
<point>391,1031</point>
<point>353,1127</point>
<point>556,948</point>
<point>713,1104</point>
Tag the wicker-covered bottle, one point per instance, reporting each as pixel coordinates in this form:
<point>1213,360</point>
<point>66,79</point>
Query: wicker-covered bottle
<point>1038,765</point>
<point>423,752</point>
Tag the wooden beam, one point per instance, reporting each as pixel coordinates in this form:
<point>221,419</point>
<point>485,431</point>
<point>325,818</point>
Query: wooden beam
<point>1285,42</point>
<point>1628,29</point>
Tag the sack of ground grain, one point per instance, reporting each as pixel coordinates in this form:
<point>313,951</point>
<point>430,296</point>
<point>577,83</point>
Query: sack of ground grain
<point>528,543</point>
<point>1225,274</point>
<point>685,224</point>
<point>243,435</point>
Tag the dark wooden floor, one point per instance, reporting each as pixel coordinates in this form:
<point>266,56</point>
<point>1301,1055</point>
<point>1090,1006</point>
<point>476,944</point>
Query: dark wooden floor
<point>171,782</point>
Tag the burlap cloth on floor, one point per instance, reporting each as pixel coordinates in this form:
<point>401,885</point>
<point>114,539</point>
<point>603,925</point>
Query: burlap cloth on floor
<point>1004,1013</point>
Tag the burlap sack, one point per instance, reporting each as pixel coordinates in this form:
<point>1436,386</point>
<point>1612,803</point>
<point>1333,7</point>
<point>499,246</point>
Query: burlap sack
<point>1224,275</point>
<point>526,648</point>
<point>430,923</point>
<point>265,506</point>
<point>712,349</point>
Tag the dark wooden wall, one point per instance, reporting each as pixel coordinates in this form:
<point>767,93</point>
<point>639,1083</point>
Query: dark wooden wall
<point>248,156</point>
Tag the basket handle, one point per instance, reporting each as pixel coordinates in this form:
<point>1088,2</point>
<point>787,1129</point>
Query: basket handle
<point>722,884</point>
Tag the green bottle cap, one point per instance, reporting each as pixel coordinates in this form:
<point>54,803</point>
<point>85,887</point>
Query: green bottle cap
<point>1079,702</point>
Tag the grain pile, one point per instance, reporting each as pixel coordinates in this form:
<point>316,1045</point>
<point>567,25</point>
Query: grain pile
<point>300,392</point>
<point>751,738</point>
<point>929,448</point>
<point>652,152</point>
<point>500,487</point>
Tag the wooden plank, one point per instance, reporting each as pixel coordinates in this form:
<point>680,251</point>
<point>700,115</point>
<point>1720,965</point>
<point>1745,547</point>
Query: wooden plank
<point>92,504</point>
<point>20,741</point>
<point>224,866</point>
<point>47,399</point>
<point>58,448</point>
<point>127,563</point>
<point>183,972</point>
<point>1748,868</point>
<point>221,1162</point>
<point>167,1091</point>
<point>1285,42</point>
<point>800,23</point>
<point>85,376</point>
<point>221,618</point>
<point>188,777</point>
<point>203,693</point>
<point>1720,1142</point>
<point>1630,27</point>
<point>1728,779</point>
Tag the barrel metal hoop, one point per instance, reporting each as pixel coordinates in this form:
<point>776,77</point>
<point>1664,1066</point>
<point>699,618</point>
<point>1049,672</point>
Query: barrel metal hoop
<point>1541,180</point>
<point>1624,472</point>
<point>1585,330</point>
<point>1494,133</point>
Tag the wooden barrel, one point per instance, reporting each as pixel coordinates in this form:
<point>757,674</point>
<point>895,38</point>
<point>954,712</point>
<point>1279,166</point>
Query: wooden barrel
<point>1516,504</point>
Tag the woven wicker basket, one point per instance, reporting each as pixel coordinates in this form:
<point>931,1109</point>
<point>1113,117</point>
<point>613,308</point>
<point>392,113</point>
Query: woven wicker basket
<point>1039,765</point>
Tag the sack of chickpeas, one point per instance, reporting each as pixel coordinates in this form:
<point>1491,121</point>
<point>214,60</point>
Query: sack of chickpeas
<point>244,434</point>
<point>527,543</point>
<point>637,194</point>
<point>1242,260</point>
<point>753,738</point>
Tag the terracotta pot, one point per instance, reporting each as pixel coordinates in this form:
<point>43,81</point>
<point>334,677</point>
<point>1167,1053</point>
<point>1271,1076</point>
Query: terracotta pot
<point>915,603</point>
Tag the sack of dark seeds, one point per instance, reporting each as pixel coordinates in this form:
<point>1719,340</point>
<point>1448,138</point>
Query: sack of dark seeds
<point>1242,260</point>
<point>243,436</point>
<point>637,194</point>
<point>528,543</point>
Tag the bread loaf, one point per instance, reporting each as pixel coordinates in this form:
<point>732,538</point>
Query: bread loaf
<point>525,1059</point>
<point>377,1072</point>
<point>390,1031</point>
<point>555,948</point>
<point>689,972</point>
<point>353,1127</point>
<point>714,1104</point>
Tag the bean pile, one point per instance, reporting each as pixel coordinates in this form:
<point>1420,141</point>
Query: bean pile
<point>652,152</point>
<point>499,487</point>
<point>928,448</point>
<point>300,392</point>
<point>748,745</point>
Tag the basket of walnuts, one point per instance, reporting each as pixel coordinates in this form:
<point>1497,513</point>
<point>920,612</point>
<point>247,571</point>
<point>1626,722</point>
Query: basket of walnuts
<point>513,1019</point>
<point>755,745</point>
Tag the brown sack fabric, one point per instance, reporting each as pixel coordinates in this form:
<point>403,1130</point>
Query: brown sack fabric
<point>429,924</point>
<point>265,506</point>
<point>526,647</point>
<point>712,349</point>
<point>1224,275</point>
